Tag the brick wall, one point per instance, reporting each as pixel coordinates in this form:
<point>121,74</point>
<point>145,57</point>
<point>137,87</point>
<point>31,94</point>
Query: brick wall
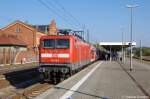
<point>28,35</point>
<point>22,32</point>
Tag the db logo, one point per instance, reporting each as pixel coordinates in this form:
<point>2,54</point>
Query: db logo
<point>54,55</point>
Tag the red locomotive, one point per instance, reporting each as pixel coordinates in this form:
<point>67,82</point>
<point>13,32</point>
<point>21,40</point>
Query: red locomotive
<point>63,55</point>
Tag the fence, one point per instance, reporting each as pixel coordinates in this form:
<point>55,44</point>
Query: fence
<point>7,55</point>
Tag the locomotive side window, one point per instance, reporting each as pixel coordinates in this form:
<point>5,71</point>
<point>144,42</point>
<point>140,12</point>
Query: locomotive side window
<point>49,43</point>
<point>62,43</point>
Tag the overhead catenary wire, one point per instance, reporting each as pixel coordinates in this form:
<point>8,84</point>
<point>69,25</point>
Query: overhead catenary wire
<point>82,26</point>
<point>63,14</point>
<point>58,12</point>
<point>67,12</point>
<point>53,11</point>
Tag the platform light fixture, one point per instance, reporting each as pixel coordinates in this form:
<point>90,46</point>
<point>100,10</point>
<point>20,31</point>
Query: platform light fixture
<point>131,19</point>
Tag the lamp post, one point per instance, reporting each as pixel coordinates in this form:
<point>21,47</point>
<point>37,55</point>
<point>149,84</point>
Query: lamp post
<point>141,50</point>
<point>122,31</point>
<point>131,9</point>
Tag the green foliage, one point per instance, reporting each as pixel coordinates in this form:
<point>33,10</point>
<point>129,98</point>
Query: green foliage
<point>145,51</point>
<point>137,52</point>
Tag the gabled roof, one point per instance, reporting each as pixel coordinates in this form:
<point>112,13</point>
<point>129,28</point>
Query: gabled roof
<point>19,22</point>
<point>24,24</point>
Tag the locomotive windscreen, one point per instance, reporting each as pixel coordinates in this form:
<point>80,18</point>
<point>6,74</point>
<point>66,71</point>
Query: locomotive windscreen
<point>56,43</point>
<point>49,43</point>
<point>62,43</point>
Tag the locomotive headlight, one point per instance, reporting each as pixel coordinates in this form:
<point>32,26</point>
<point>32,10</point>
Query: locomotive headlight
<point>41,69</point>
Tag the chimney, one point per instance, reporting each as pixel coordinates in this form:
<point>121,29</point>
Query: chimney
<point>52,28</point>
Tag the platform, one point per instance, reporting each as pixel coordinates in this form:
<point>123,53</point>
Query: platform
<point>104,80</point>
<point>17,67</point>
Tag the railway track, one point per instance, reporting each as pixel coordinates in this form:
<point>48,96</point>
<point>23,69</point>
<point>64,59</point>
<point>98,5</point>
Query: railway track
<point>22,85</point>
<point>144,59</point>
<point>30,92</point>
<point>25,84</point>
<point>17,68</point>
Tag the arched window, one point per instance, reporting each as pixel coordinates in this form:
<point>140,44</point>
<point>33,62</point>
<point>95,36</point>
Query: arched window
<point>18,30</point>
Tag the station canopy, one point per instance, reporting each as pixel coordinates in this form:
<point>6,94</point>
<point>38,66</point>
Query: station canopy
<point>116,46</point>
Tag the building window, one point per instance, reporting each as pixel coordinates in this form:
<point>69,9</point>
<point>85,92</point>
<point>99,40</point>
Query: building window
<point>18,30</point>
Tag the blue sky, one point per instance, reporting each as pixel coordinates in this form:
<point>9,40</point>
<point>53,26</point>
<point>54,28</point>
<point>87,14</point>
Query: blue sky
<point>104,18</point>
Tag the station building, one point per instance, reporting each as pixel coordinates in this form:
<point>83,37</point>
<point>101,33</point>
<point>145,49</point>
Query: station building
<point>20,40</point>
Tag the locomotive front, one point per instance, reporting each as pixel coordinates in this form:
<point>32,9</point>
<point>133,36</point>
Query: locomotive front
<point>54,57</point>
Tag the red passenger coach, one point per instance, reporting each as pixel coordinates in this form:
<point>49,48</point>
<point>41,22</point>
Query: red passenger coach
<point>93,53</point>
<point>62,55</point>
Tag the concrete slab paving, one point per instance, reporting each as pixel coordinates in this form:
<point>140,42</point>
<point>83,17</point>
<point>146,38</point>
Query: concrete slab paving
<point>140,73</point>
<point>107,81</point>
<point>57,91</point>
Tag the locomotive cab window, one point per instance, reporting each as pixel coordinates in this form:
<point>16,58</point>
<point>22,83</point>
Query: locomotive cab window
<point>62,43</point>
<point>56,43</point>
<point>49,43</point>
